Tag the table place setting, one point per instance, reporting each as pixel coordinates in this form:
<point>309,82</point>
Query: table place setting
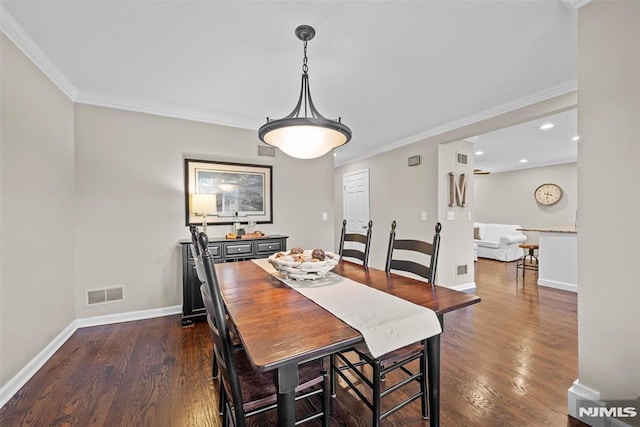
<point>385,321</point>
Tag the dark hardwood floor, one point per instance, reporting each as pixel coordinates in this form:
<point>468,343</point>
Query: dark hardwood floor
<point>507,361</point>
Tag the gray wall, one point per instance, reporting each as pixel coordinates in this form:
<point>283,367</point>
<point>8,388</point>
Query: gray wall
<point>609,209</point>
<point>507,198</point>
<point>397,192</point>
<point>36,212</point>
<point>130,200</point>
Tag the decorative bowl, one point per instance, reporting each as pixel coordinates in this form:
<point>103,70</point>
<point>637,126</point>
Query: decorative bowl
<point>303,266</point>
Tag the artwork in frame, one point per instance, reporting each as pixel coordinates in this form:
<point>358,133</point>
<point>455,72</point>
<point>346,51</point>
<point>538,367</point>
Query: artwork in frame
<point>227,192</point>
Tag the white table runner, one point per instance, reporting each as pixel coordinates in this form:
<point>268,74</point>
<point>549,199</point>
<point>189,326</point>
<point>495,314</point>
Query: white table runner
<point>385,321</point>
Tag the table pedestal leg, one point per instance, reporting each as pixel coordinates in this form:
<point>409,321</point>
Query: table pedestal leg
<point>286,380</point>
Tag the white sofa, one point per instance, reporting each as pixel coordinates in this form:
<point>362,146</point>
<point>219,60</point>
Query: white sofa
<point>499,241</point>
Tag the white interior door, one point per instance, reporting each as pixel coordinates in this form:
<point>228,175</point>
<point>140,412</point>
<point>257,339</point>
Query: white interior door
<point>356,201</point>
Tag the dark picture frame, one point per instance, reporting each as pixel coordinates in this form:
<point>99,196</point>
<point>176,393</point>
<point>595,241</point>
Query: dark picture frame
<point>242,192</point>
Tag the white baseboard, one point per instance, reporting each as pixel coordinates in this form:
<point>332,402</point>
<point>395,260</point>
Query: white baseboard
<point>128,317</point>
<point>558,285</point>
<point>579,392</point>
<point>463,287</point>
<point>12,386</point>
<point>20,379</point>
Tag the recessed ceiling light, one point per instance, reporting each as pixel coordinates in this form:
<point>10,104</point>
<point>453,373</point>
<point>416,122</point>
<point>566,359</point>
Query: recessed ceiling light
<point>523,160</point>
<point>479,153</point>
<point>575,138</point>
<point>546,126</point>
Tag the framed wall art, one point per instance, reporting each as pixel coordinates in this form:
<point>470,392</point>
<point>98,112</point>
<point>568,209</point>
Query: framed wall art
<point>222,193</point>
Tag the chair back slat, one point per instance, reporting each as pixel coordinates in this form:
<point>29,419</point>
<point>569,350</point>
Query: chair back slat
<point>363,239</point>
<point>353,253</point>
<point>355,237</point>
<point>220,332</point>
<point>411,267</point>
<point>414,245</point>
<point>430,249</point>
<point>206,299</point>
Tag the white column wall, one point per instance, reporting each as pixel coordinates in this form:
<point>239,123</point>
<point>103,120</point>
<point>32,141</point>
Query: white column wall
<point>609,200</point>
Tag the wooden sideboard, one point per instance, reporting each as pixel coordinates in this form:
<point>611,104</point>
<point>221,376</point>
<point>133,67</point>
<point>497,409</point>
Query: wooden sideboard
<point>223,250</point>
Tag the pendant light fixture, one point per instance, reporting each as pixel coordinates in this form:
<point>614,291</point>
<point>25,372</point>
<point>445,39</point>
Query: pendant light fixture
<point>305,133</point>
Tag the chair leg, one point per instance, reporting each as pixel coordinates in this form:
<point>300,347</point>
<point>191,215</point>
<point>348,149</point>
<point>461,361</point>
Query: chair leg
<point>222,398</point>
<point>376,393</point>
<point>226,415</point>
<point>424,400</point>
<point>214,365</point>
<point>334,375</point>
<point>326,403</point>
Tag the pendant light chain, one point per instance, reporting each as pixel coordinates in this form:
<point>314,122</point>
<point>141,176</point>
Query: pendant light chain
<point>305,68</point>
<point>305,80</point>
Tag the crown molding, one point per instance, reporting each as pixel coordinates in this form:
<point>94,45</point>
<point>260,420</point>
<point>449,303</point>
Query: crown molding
<point>30,49</point>
<point>575,4</point>
<point>559,90</point>
<point>165,110</point>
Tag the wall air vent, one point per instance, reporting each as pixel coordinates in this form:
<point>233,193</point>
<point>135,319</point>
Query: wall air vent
<point>461,270</point>
<point>266,151</point>
<point>104,296</point>
<point>414,160</point>
<point>462,159</point>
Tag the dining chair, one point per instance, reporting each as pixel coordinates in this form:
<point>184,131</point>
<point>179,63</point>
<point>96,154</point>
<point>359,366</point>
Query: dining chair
<point>208,304</point>
<point>427,271</point>
<point>342,364</point>
<point>248,392</point>
<point>197,264</point>
<point>364,240</point>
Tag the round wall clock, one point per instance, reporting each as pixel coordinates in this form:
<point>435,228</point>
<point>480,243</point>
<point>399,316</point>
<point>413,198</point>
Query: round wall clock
<point>548,194</point>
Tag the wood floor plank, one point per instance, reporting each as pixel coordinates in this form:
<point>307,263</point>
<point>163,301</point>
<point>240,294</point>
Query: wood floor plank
<point>507,361</point>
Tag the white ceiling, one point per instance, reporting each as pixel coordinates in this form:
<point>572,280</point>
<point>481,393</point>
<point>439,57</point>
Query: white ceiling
<point>395,71</point>
<point>504,149</point>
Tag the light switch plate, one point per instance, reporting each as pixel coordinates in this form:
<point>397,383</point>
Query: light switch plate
<point>451,216</point>
<point>469,216</point>
<point>324,216</point>
<point>423,216</point>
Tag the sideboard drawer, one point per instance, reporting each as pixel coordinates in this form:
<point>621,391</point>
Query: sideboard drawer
<point>215,250</point>
<point>238,249</point>
<point>267,247</point>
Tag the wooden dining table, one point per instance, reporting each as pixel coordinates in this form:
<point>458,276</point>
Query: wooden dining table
<point>281,328</point>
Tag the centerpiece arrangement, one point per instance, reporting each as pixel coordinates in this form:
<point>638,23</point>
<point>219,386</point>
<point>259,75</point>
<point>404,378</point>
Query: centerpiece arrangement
<point>300,264</point>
